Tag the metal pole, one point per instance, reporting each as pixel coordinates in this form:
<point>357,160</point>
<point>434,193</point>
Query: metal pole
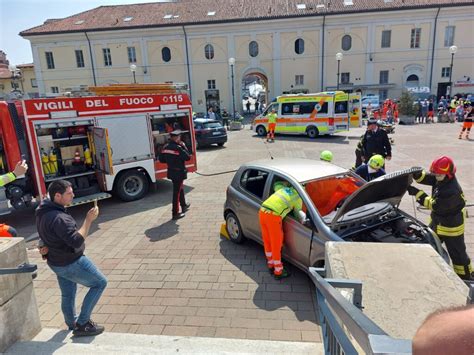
<point>450,76</point>
<point>134,78</point>
<point>233,92</point>
<point>338,65</point>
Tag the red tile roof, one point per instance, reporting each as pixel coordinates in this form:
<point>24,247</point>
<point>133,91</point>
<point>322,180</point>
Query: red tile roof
<point>195,12</point>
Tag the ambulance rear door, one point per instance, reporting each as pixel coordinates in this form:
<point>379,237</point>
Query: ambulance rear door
<point>355,110</point>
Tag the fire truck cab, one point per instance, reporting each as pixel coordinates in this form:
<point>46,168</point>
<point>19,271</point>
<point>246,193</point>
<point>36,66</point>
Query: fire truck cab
<point>101,144</point>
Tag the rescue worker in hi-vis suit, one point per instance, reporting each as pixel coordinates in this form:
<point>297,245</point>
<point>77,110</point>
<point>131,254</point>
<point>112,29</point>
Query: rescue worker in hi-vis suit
<point>274,209</point>
<point>20,169</point>
<point>447,206</point>
<point>272,122</point>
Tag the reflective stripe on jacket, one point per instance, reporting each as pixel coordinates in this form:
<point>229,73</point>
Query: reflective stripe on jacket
<point>284,201</point>
<point>446,203</point>
<point>6,179</point>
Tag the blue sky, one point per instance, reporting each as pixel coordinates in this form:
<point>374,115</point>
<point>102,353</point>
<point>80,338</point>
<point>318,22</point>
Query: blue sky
<point>19,15</point>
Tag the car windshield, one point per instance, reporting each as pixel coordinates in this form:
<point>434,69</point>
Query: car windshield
<point>327,194</point>
<point>212,125</point>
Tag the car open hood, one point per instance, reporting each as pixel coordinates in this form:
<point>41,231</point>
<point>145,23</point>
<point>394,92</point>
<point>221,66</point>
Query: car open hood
<point>389,188</point>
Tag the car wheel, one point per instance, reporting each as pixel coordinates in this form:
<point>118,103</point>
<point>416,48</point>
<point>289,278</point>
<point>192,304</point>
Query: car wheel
<point>220,144</point>
<point>131,185</point>
<point>312,132</point>
<point>261,131</point>
<point>234,228</point>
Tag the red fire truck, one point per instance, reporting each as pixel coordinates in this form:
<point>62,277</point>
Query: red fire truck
<point>100,144</point>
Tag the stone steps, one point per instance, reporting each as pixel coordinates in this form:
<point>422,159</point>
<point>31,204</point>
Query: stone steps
<point>55,341</point>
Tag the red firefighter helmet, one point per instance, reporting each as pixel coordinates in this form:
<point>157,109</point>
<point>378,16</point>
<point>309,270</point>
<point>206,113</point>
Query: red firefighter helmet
<point>443,165</point>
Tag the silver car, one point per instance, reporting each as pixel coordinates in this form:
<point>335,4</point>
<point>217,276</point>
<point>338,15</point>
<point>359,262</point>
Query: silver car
<point>340,206</point>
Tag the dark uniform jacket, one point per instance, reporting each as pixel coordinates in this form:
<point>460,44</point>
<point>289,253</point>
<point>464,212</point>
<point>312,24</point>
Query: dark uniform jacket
<point>175,155</point>
<point>363,172</point>
<point>376,143</point>
<point>58,230</point>
<point>446,204</point>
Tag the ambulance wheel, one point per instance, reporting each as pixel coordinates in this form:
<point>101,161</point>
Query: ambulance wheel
<point>261,131</point>
<point>131,185</point>
<point>234,228</point>
<point>312,132</point>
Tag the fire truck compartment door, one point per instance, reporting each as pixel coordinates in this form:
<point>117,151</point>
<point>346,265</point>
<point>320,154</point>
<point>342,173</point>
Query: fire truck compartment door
<point>129,137</point>
<point>102,151</point>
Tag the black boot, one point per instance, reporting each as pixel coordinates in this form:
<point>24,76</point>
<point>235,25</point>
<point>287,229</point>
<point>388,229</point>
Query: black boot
<point>185,208</point>
<point>178,216</point>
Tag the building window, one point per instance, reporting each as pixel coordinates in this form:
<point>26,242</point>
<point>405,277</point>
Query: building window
<point>253,49</point>
<point>445,71</point>
<point>449,36</point>
<point>386,38</point>
<point>132,55</point>
<point>415,38</point>
<point>34,83</point>
<point>79,58</point>
<point>209,51</point>
<point>211,84</point>
<point>166,54</point>
<point>299,79</point>
<point>345,78</point>
<point>54,89</point>
<point>383,94</point>
<point>346,42</point>
<point>413,80</point>
<point>49,60</point>
<point>107,57</point>
<point>383,78</point>
<point>299,46</point>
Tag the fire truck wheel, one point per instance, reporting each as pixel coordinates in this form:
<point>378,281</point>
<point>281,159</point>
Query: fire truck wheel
<point>261,131</point>
<point>131,185</point>
<point>312,132</point>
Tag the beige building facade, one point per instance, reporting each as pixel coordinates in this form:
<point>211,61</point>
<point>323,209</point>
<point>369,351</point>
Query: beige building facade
<point>384,52</point>
<point>16,81</point>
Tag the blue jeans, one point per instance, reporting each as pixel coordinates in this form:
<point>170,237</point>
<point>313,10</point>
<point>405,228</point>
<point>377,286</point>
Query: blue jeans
<point>83,272</point>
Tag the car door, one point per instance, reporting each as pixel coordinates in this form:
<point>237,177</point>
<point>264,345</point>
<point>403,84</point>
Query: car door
<point>252,189</point>
<point>297,237</point>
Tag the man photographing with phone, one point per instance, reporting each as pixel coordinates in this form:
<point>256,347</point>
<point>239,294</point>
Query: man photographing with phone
<point>64,246</point>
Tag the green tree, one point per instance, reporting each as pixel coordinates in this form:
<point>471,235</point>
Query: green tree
<point>406,106</point>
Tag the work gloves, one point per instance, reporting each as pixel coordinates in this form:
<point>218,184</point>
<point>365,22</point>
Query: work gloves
<point>412,190</point>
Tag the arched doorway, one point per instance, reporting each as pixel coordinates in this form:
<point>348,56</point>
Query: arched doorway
<point>254,93</point>
<point>413,81</point>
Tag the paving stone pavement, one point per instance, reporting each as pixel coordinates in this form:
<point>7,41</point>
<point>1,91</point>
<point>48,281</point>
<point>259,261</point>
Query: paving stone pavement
<point>179,278</point>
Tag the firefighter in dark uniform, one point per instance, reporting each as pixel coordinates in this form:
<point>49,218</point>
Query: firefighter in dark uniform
<point>375,141</point>
<point>174,154</point>
<point>447,206</point>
